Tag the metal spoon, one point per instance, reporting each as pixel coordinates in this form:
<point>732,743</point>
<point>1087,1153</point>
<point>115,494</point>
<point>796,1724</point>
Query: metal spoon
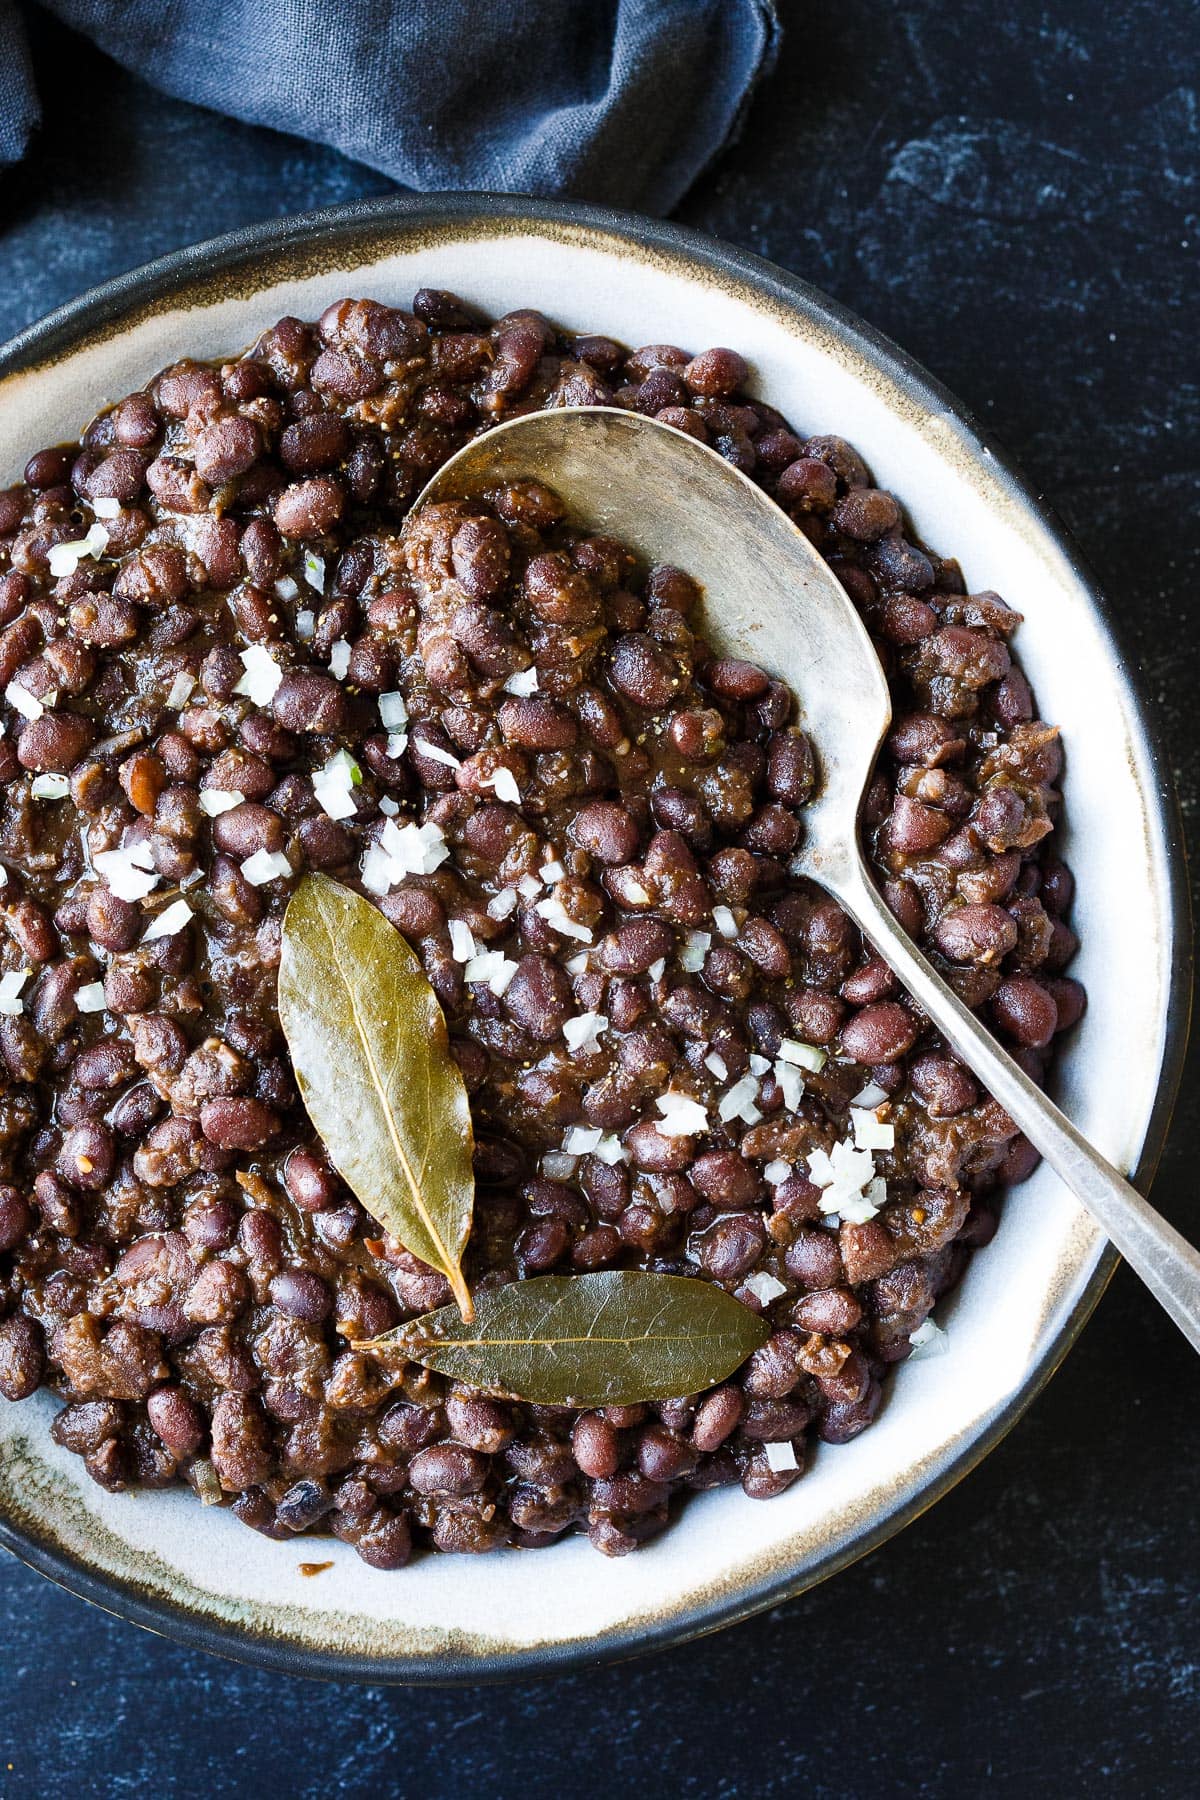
<point>674,500</point>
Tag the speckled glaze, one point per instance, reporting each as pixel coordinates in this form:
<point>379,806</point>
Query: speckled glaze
<point>196,1574</point>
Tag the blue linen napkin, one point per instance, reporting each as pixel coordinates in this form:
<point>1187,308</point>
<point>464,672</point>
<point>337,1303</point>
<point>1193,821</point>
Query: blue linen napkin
<point>619,101</point>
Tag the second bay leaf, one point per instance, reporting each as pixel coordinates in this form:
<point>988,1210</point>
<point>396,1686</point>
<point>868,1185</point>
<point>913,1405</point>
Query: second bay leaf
<point>615,1337</point>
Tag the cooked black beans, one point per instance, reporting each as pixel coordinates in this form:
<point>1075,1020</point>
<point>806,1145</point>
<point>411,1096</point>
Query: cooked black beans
<point>635,797</point>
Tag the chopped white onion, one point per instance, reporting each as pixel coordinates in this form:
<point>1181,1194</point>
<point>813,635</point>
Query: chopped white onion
<point>339,658</point>
<point>27,704</point>
<point>265,865</point>
<point>393,711</point>
<point>681,1116</point>
<point>173,918</point>
<point>90,997</point>
<point>334,785</point>
<point>560,920</point>
<point>584,1032</point>
<point>759,1064</point>
<point>558,1166</point>
<point>504,786</point>
<point>306,625</point>
<point>658,969</point>
<point>435,753</point>
<point>928,1340</point>
<point>286,588</point>
<point>524,682</point>
<point>805,1056</point>
<point>10,991</point>
<point>215,801</point>
<point>847,1179</point>
<point>181,690</point>
<point>462,944</point>
<point>493,968</point>
<point>781,1457</point>
<point>791,1084</point>
<point>696,947</point>
<point>581,1140</point>
<point>129,871</point>
<point>725,922</point>
<point>3,876</point>
<point>106,509</point>
<point>777,1172</point>
<point>611,1150</point>
<point>717,1065</point>
<point>870,1133</point>
<point>871,1095</point>
<point>388,807</point>
<point>738,1103</point>
<point>314,571</point>
<point>528,887</point>
<point>403,850</point>
<point>764,1286</point>
<point>64,559</point>
<point>397,744</point>
<point>503,904</point>
<point>263,675</point>
<point>550,872</point>
<point>50,787</point>
<point>378,870</point>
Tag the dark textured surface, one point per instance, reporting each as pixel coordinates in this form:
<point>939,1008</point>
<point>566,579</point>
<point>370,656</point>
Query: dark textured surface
<point>1010,193</point>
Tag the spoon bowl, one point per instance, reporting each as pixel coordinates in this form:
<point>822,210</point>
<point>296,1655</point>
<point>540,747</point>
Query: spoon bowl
<point>674,500</point>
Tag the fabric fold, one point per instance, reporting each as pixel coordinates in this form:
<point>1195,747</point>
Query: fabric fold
<point>617,101</point>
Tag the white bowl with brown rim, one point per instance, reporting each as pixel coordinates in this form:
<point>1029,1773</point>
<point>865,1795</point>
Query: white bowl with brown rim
<point>196,1573</point>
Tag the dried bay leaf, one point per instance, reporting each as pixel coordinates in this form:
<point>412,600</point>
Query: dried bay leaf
<point>612,1338</point>
<point>371,1053</point>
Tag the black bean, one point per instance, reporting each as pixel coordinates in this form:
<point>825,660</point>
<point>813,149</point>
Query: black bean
<point>447,1469</point>
<point>22,1356</point>
<point>302,1295</point>
<point>879,1033</point>
<point>539,997</point>
<point>309,701</point>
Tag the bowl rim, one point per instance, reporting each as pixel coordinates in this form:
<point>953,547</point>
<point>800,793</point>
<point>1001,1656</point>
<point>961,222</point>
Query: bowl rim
<point>266,243</point>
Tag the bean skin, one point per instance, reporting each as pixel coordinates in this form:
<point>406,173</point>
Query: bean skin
<point>22,1356</point>
<point>246,829</point>
<point>1026,1010</point>
<point>717,1417</point>
<point>301,1295</point>
<point>539,997</point>
<point>310,508</point>
<point>54,743</point>
<point>308,701</point>
<point>980,934</point>
<point>235,1122</point>
<point>596,1447</point>
<point>447,1469</point>
<point>15,1217</point>
<point>641,672</point>
<point>878,1034</point>
<point>176,1420</point>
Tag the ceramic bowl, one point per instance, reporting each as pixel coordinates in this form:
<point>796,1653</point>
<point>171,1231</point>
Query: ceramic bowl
<point>198,1575</point>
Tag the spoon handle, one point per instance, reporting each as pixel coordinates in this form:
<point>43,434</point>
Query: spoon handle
<point>1165,1261</point>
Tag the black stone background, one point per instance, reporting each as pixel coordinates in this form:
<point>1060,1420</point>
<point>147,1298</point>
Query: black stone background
<point>1010,192</point>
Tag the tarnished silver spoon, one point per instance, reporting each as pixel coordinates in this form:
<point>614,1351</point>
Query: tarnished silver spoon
<point>674,500</point>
